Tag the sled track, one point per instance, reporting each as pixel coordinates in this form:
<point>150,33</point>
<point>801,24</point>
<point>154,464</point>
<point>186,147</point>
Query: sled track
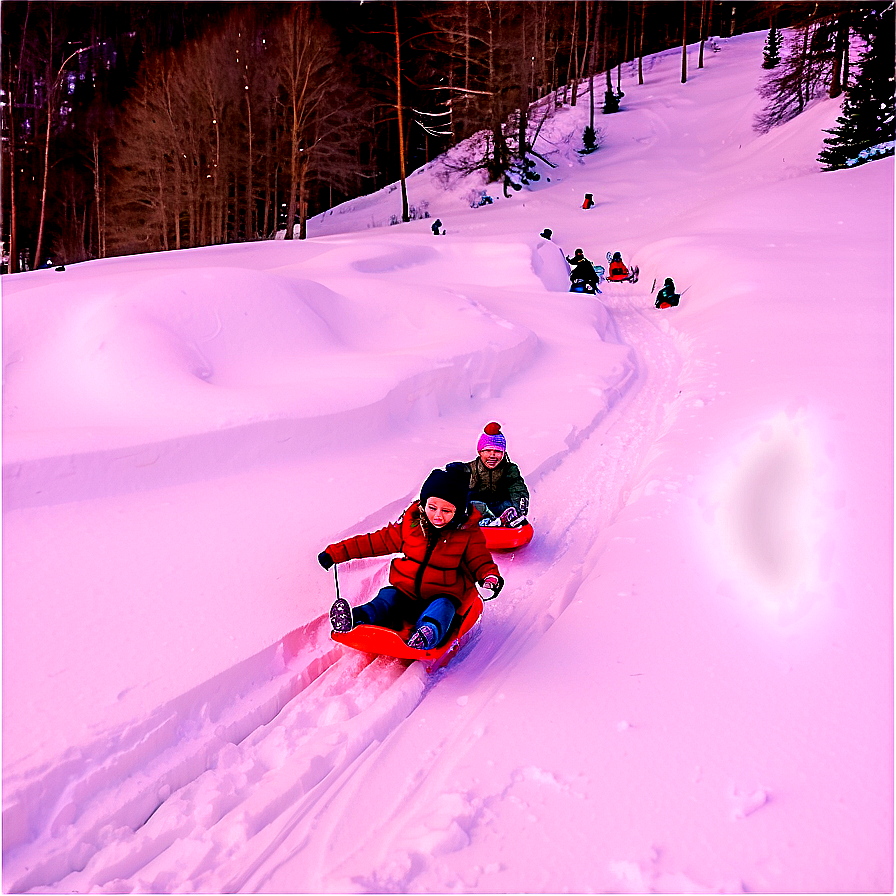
<point>164,801</point>
<point>199,795</point>
<point>588,485</point>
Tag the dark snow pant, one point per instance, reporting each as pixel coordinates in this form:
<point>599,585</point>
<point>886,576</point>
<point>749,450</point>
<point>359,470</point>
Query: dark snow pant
<point>585,273</point>
<point>392,608</point>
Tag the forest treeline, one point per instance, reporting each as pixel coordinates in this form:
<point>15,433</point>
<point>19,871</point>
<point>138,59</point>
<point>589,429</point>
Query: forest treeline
<point>135,127</point>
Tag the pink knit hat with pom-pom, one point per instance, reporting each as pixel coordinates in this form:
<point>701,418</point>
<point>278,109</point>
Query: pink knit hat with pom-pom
<point>492,437</point>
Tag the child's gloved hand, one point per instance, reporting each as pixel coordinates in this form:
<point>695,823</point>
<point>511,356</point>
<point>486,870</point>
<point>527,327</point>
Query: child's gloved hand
<point>493,584</point>
<point>325,560</point>
<point>509,516</point>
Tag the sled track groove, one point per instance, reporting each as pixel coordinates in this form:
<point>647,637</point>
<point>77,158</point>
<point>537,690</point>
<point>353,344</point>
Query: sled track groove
<point>592,481</point>
<point>169,792</point>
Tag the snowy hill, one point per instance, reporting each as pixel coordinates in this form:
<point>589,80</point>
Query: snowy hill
<point>686,685</point>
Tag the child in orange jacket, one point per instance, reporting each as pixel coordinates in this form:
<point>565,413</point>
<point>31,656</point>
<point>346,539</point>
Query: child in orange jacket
<point>443,553</point>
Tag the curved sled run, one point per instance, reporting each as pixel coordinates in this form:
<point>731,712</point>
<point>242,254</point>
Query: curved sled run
<point>506,538</point>
<point>388,642</point>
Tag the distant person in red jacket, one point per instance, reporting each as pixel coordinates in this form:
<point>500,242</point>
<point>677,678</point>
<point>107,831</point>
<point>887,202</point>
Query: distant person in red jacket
<point>618,270</point>
<point>443,553</point>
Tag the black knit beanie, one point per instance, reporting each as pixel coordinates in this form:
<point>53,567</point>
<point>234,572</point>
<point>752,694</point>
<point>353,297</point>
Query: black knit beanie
<point>452,485</point>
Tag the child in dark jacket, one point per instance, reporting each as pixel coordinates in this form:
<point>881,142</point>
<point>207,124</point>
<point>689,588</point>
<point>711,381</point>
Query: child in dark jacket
<point>443,554</point>
<point>582,269</point>
<point>497,489</point>
<point>667,297</point>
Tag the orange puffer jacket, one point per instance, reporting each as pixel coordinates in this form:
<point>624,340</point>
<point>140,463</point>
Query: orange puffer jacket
<point>448,562</point>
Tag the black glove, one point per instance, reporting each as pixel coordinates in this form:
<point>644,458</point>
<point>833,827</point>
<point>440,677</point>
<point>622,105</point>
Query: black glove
<point>325,560</point>
<point>493,584</point>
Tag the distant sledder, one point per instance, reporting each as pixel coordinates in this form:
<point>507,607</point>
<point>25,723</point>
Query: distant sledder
<point>667,297</point>
<point>583,276</point>
<point>619,273</point>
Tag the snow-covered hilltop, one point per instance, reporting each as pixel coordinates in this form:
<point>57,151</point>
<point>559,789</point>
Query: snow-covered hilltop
<point>686,685</point>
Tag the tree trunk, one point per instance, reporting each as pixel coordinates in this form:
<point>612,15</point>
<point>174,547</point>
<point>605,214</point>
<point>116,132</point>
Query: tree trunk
<point>846,60</point>
<point>451,124</point>
<point>624,56</point>
<point>43,192</point>
<point>405,216</point>
<point>466,66</point>
<point>9,107</point>
<point>580,66</point>
<point>98,198</point>
<point>250,216</point>
<point>574,45</point>
<point>303,202</point>
<point>51,90</point>
<point>684,43</point>
<point>293,175</point>
<point>803,65</point>
<point>702,39</point>
<point>641,43</point>
<point>598,11</point>
<point>163,227</point>
<point>13,264</point>
<point>525,77</point>
<point>840,43</point>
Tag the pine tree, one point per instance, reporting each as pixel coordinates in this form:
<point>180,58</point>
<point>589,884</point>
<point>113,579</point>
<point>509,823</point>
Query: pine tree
<point>865,129</point>
<point>771,55</point>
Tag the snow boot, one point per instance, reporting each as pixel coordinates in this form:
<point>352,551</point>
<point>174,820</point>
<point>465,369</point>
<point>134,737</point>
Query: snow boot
<point>424,638</point>
<point>341,615</point>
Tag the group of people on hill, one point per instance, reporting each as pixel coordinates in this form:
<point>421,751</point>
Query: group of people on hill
<point>582,270</point>
<point>585,274</point>
<point>442,547</point>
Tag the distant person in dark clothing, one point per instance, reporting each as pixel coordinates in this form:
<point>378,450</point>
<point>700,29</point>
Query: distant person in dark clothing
<point>667,297</point>
<point>582,269</point>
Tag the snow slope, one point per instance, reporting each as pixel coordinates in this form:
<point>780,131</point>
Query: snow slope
<point>687,683</point>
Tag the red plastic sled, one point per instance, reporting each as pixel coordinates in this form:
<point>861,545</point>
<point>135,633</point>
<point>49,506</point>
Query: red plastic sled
<point>506,538</point>
<point>387,642</point>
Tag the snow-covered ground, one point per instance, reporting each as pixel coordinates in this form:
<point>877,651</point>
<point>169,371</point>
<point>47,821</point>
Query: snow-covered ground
<point>687,683</point>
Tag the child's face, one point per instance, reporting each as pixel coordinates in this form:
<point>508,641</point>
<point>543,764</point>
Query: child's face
<point>439,512</point>
<point>491,457</point>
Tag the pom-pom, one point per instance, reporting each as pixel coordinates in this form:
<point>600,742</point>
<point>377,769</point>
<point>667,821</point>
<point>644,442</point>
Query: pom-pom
<point>492,429</point>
